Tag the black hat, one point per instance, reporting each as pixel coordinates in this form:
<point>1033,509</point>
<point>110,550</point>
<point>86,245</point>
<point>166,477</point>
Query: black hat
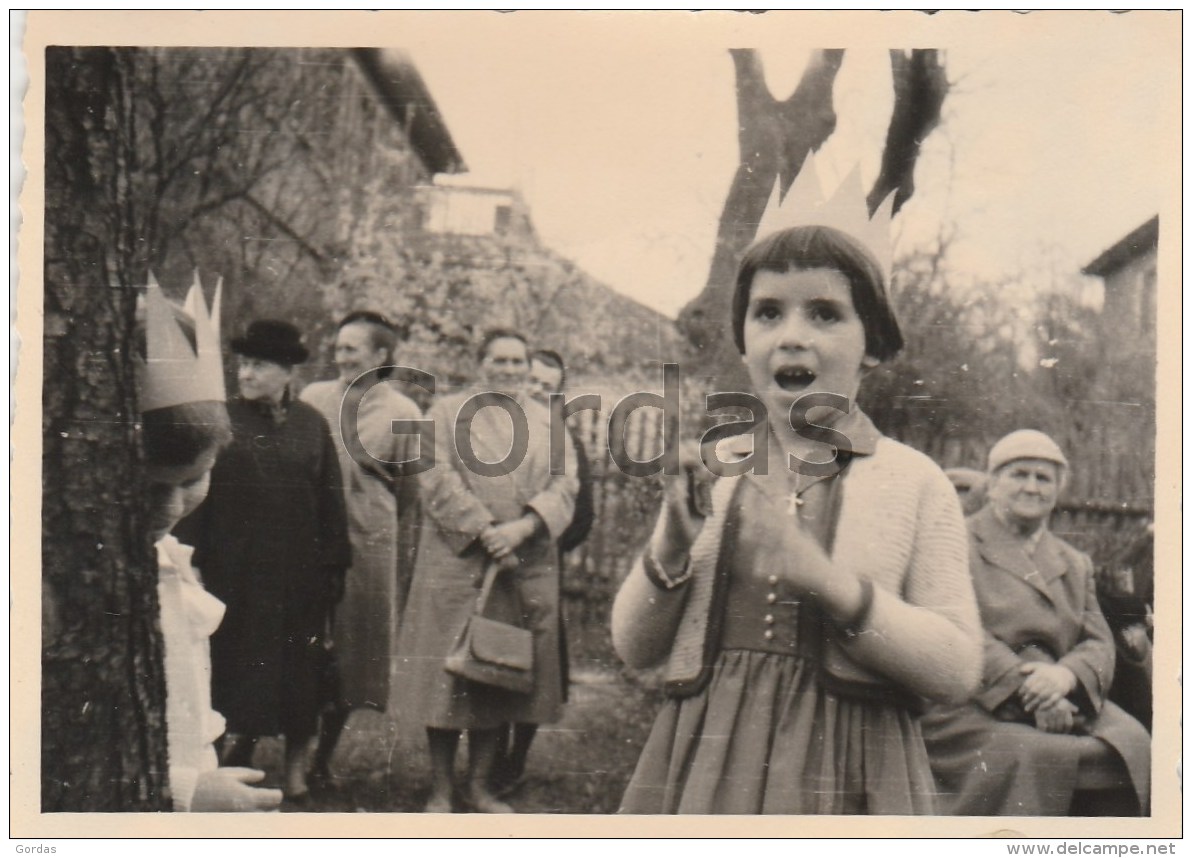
<point>272,340</point>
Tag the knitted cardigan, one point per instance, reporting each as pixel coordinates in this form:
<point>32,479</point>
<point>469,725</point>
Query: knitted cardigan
<point>900,527</point>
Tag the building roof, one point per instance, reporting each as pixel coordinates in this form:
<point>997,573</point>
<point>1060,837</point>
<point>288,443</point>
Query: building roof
<point>403,92</point>
<point>1140,241</point>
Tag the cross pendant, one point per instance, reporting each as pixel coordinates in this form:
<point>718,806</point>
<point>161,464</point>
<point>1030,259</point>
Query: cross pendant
<point>793,502</point>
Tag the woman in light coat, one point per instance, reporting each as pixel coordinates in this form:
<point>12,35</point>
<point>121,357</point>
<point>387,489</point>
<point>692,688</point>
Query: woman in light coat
<point>471,520</point>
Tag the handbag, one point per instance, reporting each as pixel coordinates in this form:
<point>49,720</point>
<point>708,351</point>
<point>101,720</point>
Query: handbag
<point>491,652</point>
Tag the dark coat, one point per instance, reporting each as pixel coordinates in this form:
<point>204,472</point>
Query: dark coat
<point>572,538</point>
<point>1033,608</point>
<point>585,507</point>
<point>270,542</point>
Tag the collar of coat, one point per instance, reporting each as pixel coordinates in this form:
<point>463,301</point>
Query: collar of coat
<point>274,411</point>
<point>1002,548</point>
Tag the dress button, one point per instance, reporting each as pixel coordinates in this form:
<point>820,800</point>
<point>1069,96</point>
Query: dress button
<point>773,579</point>
<point>771,598</point>
<point>769,634</point>
<point>769,619</point>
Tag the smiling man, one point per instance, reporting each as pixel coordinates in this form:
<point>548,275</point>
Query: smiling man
<point>382,515</point>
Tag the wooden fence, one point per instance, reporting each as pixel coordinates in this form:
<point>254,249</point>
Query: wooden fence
<point>626,508</point>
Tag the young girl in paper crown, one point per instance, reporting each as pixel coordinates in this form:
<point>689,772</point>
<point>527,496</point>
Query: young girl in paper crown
<point>184,425</point>
<point>804,619</point>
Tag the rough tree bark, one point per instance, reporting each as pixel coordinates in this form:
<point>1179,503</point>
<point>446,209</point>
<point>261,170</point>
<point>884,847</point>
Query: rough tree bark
<point>103,690</point>
<point>775,137</point>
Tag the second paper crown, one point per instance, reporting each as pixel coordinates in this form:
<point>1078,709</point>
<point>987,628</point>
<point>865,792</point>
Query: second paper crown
<point>175,372</point>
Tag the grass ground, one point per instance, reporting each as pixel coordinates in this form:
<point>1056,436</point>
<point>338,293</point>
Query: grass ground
<point>580,765</point>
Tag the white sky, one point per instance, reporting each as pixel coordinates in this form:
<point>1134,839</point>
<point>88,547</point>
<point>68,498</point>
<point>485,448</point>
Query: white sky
<point>619,128</point>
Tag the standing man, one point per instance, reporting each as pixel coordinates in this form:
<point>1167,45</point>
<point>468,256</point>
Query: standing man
<point>271,541</point>
<point>548,374</point>
<point>474,516</point>
<point>382,510</point>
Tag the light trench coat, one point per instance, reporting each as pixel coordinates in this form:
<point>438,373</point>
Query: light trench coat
<point>382,513</point>
<point>458,505</point>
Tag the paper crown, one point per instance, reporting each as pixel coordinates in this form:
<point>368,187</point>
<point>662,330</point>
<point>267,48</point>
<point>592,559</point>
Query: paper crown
<point>173,371</point>
<point>847,211</point>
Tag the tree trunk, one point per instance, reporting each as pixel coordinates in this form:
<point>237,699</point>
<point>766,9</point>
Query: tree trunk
<point>103,687</point>
<point>775,137</point>
<point>920,85</point>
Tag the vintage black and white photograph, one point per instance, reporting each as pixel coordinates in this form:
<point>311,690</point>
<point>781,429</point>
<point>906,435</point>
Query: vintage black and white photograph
<point>649,416</point>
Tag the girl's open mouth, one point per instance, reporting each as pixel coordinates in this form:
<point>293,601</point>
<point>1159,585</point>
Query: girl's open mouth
<point>794,379</point>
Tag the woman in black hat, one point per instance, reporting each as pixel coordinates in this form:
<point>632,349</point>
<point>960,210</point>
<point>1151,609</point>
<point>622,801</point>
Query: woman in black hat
<point>271,541</point>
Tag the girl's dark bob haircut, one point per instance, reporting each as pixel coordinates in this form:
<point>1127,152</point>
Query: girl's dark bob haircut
<point>805,247</point>
<point>178,434</point>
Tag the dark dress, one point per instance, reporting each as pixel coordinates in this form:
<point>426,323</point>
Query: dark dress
<point>572,538</point>
<point>269,540</point>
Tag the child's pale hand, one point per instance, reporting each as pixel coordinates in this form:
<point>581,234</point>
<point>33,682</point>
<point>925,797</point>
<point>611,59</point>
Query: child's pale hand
<point>1045,685</point>
<point>227,790</point>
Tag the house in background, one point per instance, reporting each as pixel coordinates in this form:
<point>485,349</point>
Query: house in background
<point>1129,271</point>
<point>473,210</point>
<point>1113,443</point>
<point>350,130</point>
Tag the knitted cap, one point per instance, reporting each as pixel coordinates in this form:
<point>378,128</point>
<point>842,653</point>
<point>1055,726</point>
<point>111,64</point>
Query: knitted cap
<point>1025,444</point>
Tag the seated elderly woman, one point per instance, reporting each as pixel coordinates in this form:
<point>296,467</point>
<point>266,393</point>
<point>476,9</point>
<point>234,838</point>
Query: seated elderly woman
<point>1039,738</point>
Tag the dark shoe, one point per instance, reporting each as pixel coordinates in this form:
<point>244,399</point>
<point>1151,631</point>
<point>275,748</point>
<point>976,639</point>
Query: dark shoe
<point>321,781</point>
<point>508,776</point>
<point>296,803</point>
<point>503,787</point>
<point>239,751</point>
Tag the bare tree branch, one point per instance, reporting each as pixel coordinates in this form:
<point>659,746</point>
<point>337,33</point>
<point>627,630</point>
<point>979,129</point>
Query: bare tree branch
<point>920,86</point>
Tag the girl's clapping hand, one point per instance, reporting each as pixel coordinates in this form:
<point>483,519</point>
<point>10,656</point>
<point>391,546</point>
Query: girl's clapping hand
<point>791,552</point>
<point>685,498</point>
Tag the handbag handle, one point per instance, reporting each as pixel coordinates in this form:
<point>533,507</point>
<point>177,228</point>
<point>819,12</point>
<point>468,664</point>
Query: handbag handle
<point>491,571</point>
